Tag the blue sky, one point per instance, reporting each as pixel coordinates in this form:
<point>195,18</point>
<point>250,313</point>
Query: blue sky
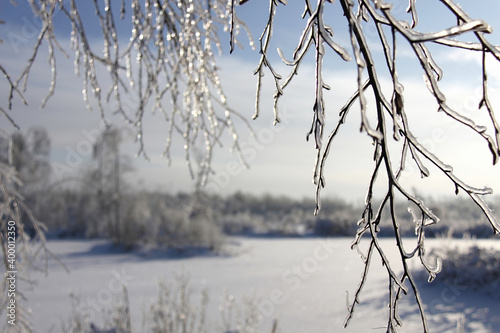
<point>283,160</point>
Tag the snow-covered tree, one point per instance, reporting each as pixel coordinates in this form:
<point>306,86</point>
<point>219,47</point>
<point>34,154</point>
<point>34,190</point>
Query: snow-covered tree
<point>160,54</point>
<point>109,174</point>
<point>30,158</point>
<point>24,171</point>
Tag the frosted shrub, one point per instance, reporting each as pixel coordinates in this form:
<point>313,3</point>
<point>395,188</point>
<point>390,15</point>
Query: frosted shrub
<point>163,220</point>
<point>115,319</point>
<point>242,223</point>
<point>337,227</point>
<point>176,309</point>
<point>472,266</point>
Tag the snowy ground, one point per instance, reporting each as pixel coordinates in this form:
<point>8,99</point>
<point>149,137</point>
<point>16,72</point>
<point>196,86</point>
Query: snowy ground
<point>300,282</point>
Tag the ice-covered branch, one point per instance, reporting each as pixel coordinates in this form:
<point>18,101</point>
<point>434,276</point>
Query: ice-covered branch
<point>392,121</point>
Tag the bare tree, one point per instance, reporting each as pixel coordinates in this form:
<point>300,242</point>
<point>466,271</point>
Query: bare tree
<point>169,56</point>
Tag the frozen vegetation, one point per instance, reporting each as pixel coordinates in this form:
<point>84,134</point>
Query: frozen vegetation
<point>476,266</point>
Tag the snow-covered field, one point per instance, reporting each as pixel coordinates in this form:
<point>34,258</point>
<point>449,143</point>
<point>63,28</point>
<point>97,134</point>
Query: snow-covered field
<point>300,282</point>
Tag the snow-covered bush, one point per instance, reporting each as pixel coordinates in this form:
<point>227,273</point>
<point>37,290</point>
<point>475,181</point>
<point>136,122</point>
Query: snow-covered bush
<point>242,223</point>
<point>329,228</point>
<point>471,266</point>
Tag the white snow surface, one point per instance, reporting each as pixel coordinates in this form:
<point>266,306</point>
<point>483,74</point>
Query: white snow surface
<point>301,282</point>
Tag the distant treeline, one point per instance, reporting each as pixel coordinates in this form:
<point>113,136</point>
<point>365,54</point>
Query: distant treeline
<point>183,220</point>
<point>102,203</point>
